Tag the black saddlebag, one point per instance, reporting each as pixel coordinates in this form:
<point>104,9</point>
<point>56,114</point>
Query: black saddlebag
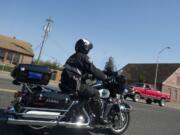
<point>53,100</point>
<point>34,74</point>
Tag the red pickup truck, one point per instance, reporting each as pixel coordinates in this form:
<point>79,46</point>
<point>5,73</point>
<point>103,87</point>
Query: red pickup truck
<point>146,91</point>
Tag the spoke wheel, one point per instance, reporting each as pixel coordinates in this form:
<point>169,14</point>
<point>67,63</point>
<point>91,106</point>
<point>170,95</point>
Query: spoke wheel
<point>120,122</point>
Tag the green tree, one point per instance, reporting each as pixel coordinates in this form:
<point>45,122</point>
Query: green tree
<point>52,64</point>
<point>141,78</point>
<point>110,66</point>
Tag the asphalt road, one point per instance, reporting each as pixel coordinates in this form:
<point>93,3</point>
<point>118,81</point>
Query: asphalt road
<point>145,120</point>
<point>6,83</point>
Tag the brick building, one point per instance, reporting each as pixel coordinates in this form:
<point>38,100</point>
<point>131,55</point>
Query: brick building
<point>172,86</point>
<point>146,72</point>
<point>13,51</point>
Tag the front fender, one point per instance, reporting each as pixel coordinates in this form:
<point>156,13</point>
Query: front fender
<point>122,107</point>
<point>126,105</point>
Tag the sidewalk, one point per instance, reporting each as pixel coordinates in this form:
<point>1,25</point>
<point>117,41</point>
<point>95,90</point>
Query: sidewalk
<point>173,105</point>
<point>5,75</point>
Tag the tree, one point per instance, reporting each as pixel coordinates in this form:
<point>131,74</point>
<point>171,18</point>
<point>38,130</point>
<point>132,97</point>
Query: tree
<point>53,65</point>
<point>110,66</point>
<point>141,78</point>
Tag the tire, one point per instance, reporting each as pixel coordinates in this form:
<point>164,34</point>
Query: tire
<point>148,101</point>
<point>119,121</point>
<point>162,102</point>
<point>136,97</point>
<point>125,123</point>
<point>36,130</point>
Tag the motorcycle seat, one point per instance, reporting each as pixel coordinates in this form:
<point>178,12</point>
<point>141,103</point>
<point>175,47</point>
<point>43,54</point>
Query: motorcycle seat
<point>74,96</point>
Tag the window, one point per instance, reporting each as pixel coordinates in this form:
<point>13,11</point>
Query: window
<point>178,81</point>
<point>10,57</point>
<point>147,87</point>
<point>13,57</point>
<point>16,58</point>
<point>2,52</point>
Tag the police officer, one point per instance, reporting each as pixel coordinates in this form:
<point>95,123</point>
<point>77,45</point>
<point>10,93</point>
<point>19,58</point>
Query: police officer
<point>76,67</point>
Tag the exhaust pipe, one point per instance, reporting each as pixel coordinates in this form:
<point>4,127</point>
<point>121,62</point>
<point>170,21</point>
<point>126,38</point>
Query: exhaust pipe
<point>31,122</point>
<point>47,123</point>
<point>74,125</point>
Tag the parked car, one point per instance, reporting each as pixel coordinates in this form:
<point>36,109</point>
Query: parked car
<point>146,91</point>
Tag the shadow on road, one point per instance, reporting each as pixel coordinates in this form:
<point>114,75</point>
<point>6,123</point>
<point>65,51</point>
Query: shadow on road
<point>6,129</point>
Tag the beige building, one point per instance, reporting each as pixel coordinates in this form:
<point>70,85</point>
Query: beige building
<point>172,86</point>
<point>56,75</point>
<point>13,51</point>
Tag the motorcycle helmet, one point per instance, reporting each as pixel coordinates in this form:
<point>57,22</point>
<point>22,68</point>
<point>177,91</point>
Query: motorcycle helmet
<point>83,46</point>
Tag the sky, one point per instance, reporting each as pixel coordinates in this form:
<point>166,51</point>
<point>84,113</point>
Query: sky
<point>131,31</point>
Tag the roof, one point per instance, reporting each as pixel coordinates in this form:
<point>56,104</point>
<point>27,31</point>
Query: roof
<point>15,45</point>
<point>146,72</point>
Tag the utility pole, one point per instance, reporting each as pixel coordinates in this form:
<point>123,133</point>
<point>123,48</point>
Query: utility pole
<point>46,31</point>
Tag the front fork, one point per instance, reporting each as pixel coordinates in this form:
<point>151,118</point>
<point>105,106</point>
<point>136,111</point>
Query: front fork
<point>118,107</point>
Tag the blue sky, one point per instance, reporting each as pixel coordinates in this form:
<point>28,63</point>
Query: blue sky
<point>131,31</point>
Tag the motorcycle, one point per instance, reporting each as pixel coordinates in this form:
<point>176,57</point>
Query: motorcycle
<point>38,108</point>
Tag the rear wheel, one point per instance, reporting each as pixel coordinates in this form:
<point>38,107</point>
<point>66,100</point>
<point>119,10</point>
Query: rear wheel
<point>136,97</point>
<point>162,102</point>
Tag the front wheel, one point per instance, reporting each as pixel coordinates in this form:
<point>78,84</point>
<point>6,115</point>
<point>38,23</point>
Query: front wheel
<point>162,102</point>
<point>120,122</point>
<point>136,97</point>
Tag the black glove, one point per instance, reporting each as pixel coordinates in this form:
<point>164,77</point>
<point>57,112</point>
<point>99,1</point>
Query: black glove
<point>108,80</point>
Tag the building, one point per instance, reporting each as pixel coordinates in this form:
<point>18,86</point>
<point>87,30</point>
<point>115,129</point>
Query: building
<point>172,86</point>
<point>13,51</point>
<point>146,72</point>
<point>56,75</point>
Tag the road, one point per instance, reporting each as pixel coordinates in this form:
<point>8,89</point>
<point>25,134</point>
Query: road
<point>145,120</point>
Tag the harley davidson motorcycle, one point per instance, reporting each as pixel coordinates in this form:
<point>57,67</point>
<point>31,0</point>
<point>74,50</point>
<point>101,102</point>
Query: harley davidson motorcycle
<point>38,109</point>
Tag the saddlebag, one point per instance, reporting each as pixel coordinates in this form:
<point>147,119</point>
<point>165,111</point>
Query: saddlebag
<point>53,100</point>
<point>34,74</point>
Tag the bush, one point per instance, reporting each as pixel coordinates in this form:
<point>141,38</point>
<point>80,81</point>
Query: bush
<point>6,68</point>
<point>53,65</point>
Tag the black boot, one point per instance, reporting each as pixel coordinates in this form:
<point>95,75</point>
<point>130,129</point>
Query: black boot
<point>99,119</point>
<point>103,121</point>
